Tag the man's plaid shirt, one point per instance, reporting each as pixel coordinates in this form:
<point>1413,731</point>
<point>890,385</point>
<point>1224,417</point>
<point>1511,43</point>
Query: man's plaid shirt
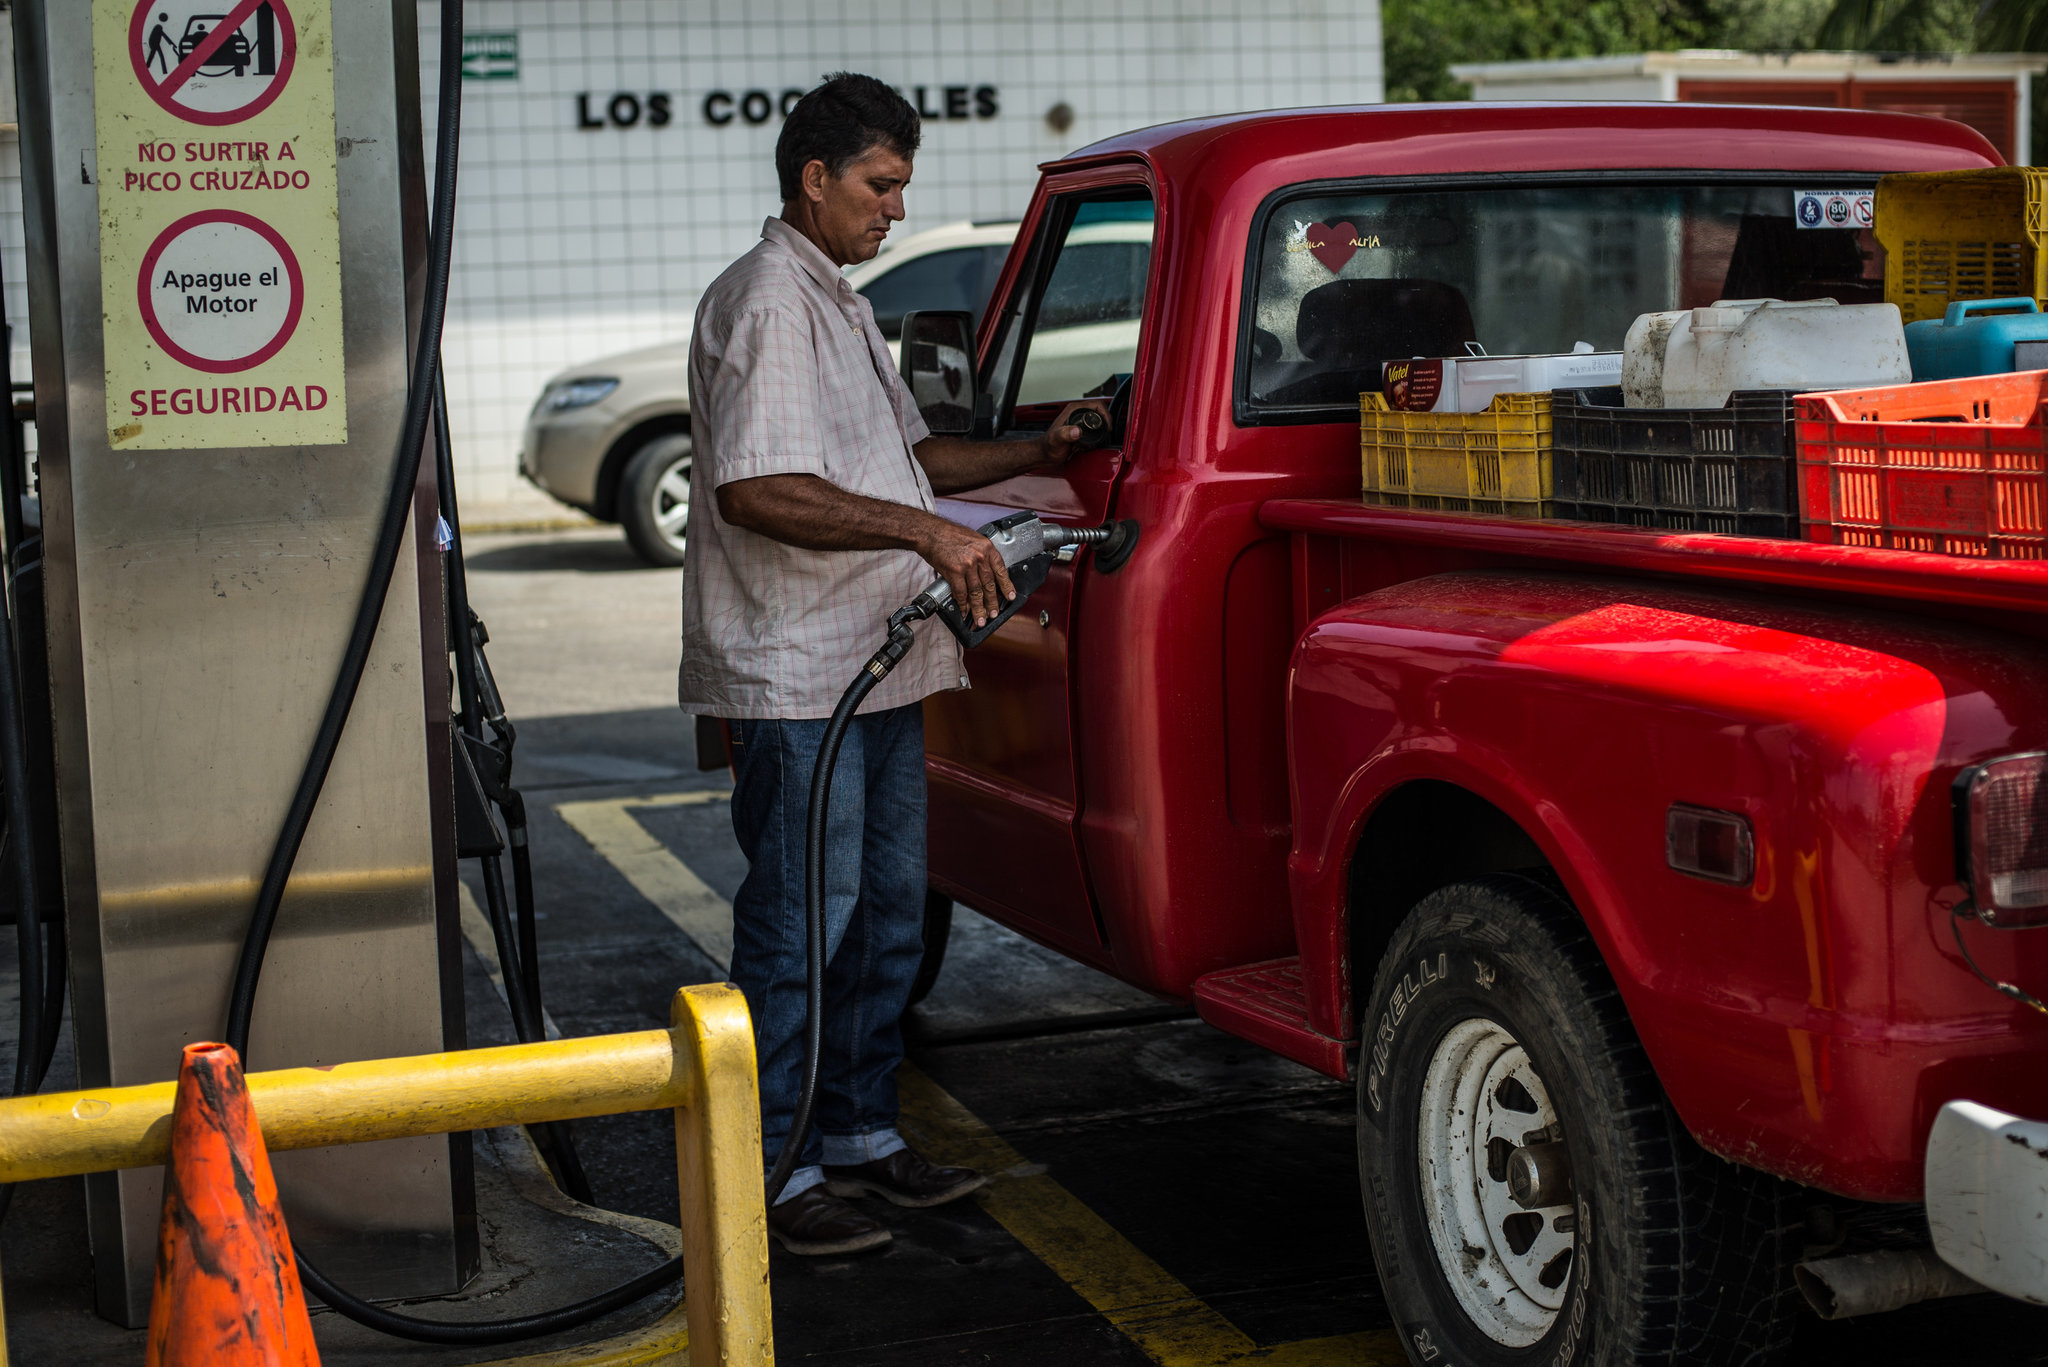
<point>789,375</point>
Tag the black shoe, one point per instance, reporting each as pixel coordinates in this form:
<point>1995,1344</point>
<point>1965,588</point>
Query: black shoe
<point>904,1178</point>
<point>815,1223</point>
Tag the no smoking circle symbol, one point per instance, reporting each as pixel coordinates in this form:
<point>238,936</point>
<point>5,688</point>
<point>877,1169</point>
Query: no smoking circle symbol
<point>220,291</point>
<point>208,67</point>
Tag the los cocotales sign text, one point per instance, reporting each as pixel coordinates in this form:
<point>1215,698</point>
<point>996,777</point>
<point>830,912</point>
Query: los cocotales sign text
<point>656,109</point>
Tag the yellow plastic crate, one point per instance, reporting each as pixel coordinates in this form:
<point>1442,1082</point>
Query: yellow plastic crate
<point>1950,235</point>
<point>1497,461</point>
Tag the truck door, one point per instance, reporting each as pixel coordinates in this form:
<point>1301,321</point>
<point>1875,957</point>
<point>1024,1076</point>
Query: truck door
<point>1003,803</point>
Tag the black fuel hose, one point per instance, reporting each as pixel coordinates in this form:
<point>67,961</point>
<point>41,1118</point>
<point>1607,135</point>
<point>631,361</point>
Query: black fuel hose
<point>21,853</point>
<point>14,762</point>
<point>28,910</point>
<point>26,581</point>
<point>42,1000</point>
<point>815,820</point>
<point>521,971</point>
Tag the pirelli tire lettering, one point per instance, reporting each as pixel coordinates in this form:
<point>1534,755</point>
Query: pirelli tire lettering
<point>1404,994</point>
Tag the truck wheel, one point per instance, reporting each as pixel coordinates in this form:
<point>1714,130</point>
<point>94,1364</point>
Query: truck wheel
<point>654,498</point>
<point>1531,1195</point>
<point>938,928</point>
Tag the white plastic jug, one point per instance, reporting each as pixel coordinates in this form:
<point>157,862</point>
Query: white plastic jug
<point>1642,358</point>
<point>1803,345</point>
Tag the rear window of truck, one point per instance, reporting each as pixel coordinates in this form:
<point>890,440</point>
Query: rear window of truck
<point>1344,280</point>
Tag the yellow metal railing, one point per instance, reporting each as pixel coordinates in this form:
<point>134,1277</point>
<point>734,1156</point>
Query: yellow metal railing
<point>702,1066</point>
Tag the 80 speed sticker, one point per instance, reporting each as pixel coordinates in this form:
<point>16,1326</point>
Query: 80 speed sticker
<point>1834,208</point>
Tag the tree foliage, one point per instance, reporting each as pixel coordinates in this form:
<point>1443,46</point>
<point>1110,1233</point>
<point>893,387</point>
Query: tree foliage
<point>1937,25</point>
<point>2013,26</point>
<point>1900,26</point>
<point>1424,37</point>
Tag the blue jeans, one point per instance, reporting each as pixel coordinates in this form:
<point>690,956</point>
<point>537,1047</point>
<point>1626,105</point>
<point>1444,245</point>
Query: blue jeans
<point>874,925</point>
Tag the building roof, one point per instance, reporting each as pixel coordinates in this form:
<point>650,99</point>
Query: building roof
<point>1732,64</point>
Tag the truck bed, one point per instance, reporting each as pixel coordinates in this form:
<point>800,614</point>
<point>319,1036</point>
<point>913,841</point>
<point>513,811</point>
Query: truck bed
<point>1829,693</point>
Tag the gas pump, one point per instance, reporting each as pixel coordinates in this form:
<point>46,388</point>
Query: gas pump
<point>229,274</point>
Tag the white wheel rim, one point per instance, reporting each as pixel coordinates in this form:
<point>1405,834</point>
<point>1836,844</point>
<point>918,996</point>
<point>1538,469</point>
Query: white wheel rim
<point>671,502</point>
<point>1470,1100</point>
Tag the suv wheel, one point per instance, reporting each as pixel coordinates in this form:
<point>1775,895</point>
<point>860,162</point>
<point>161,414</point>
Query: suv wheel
<point>654,498</point>
<point>1531,1195</point>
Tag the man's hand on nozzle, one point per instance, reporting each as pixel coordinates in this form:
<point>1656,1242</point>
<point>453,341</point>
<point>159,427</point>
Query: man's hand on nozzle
<point>971,566</point>
<point>1063,436</point>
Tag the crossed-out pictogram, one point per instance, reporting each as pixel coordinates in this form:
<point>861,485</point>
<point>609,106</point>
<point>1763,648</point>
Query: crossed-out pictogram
<point>213,68</point>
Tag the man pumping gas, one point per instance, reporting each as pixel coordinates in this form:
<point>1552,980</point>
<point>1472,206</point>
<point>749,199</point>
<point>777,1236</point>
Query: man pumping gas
<point>815,480</point>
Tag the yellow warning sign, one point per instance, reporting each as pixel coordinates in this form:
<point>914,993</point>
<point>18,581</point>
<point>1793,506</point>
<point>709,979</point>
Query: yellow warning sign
<point>220,248</point>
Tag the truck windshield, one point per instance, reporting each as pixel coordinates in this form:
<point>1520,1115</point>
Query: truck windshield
<point>1348,281</point>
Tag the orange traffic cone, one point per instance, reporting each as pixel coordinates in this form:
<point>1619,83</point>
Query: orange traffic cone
<point>227,1288</point>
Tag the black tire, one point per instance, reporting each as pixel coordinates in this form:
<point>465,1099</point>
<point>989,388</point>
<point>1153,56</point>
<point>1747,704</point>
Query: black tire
<point>938,928</point>
<point>1667,1254</point>
<point>651,508</point>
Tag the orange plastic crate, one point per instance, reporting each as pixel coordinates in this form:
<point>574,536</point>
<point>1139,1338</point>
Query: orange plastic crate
<point>1957,467</point>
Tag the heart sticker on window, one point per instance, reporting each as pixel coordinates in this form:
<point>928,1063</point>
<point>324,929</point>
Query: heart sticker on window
<point>1332,244</point>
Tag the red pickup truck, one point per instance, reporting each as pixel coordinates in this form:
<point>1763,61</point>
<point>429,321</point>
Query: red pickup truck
<point>1618,867</point>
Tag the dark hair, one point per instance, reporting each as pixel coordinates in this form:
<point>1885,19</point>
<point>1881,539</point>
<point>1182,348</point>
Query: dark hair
<point>839,123</point>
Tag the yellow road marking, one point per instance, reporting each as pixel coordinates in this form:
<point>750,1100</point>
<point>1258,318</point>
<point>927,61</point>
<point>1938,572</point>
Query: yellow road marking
<point>653,871</point>
<point>1147,1304</point>
<point>1151,1307</point>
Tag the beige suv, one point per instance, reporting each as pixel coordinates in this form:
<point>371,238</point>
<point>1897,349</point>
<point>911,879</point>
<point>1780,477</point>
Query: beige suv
<point>613,437</point>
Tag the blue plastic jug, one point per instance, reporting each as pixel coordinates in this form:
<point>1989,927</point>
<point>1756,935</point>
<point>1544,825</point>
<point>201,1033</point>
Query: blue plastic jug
<point>1976,337</point>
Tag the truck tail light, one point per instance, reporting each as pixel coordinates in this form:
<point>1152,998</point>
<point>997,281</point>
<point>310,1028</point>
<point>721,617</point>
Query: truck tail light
<point>1708,843</point>
<point>2001,809</point>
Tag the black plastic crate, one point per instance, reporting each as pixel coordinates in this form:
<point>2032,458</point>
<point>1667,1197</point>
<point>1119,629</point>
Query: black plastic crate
<point>1727,469</point>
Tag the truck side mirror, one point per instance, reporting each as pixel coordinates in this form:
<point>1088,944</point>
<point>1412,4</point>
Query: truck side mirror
<point>937,362</point>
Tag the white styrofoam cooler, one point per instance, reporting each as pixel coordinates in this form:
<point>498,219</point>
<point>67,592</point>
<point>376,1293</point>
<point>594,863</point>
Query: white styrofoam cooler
<point>1482,377</point>
<point>1470,383</point>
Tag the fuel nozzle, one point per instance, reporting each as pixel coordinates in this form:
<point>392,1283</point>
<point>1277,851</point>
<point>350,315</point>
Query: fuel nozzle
<point>1019,538</point>
<point>1030,546</point>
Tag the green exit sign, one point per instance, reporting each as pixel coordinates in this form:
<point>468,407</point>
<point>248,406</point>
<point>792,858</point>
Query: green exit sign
<point>490,56</point>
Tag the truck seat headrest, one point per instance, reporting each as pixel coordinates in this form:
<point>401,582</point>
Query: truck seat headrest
<point>1356,324</point>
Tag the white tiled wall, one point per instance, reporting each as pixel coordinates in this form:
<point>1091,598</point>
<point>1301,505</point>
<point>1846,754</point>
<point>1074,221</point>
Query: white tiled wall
<point>572,244</point>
